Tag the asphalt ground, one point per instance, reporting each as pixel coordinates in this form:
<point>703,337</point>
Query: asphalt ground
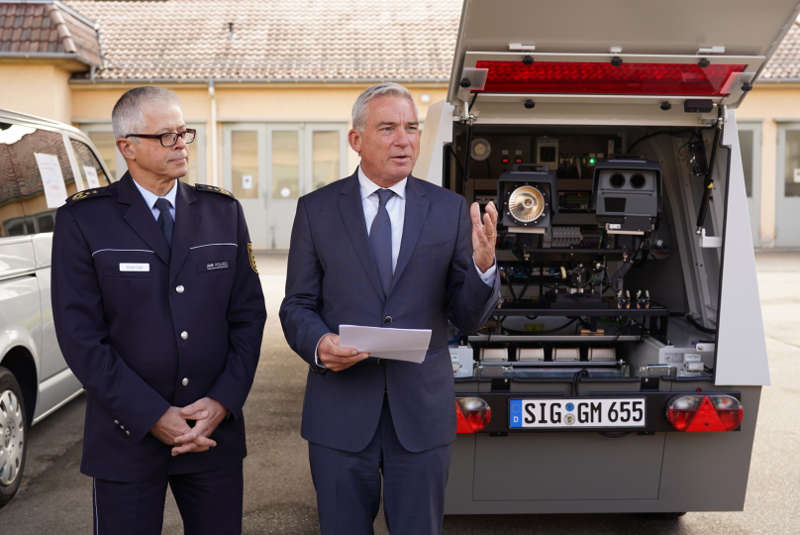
<point>279,498</point>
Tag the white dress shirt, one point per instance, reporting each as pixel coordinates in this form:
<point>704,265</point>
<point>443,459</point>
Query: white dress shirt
<point>395,206</point>
<point>150,198</point>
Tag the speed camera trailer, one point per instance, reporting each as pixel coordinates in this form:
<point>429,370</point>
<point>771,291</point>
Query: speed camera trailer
<point>623,367</point>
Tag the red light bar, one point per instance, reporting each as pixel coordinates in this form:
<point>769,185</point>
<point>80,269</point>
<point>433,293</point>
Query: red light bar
<point>586,78</point>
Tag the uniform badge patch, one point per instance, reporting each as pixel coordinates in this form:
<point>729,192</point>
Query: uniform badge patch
<point>252,257</point>
<point>213,189</point>
<point>136,267</point>
<point>215,266</point>
<point>85,194</point>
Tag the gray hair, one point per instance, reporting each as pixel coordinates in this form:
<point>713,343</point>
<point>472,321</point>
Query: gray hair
<point>378,90</point>
<point>127,118</point>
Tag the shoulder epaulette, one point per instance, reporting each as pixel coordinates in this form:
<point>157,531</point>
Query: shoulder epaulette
<point>88,194</point>
<point>213,189</point>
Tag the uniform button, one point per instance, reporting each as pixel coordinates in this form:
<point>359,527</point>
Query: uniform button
<point>122,427</point>
<point>387,320</point>
<point>184,335</point>
<point>185,381</point>
<point>128,433</point>
<point>179,288</point>
<point>116,422</point>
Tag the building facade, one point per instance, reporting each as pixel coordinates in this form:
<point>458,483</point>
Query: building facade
<point>269,87</point>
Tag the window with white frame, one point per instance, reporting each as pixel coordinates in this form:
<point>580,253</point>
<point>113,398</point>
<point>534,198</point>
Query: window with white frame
<point>750,146</point>
<point>749,143</point>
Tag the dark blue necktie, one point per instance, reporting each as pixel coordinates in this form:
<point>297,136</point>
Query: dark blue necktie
<point>165,219</point>
<point>380,239</point>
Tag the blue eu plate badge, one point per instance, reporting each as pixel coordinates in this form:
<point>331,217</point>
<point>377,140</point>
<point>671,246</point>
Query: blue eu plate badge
<point>515,413</point>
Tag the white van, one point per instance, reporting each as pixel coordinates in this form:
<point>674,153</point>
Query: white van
<point>41,163</point>
<point>623,368</point>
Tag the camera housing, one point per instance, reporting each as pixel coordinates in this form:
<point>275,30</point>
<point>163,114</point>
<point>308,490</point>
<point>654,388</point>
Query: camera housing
<point>626,194</point>
<point>526,194</point>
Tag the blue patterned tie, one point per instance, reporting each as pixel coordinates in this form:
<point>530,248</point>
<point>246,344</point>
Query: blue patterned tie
<point>165,219</point>
<point>380,239</point>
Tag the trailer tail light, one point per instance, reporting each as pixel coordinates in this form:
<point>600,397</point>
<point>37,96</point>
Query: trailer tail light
<point>712,412</point>
<point>587,78</point>
<point>473,414</point>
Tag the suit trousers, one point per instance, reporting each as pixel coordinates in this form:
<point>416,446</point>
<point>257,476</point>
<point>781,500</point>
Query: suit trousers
<point>348,485</point>
<point>210,503</point>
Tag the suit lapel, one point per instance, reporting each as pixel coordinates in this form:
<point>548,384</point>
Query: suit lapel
<point>140,218</point>
<point>416,213</point>
<point>352,213</point>
<point>187,220</point>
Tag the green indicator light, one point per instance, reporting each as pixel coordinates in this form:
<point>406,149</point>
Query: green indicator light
<point>592,160</point>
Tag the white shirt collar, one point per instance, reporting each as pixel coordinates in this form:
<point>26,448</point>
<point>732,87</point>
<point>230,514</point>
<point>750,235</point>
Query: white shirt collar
<point>368,187</point>
<point>150,198</point>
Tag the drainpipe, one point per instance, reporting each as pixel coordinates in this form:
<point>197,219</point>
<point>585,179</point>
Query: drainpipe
<point>213,130</point>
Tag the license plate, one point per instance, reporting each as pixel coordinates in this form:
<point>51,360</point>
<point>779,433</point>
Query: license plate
<point>576,413</point>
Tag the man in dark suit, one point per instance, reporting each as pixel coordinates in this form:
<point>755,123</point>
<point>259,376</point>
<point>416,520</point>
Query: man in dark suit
<point>159,312</point>
<point>382,248</point>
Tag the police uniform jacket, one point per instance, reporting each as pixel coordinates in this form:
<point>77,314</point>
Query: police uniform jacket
<point>145,326</point>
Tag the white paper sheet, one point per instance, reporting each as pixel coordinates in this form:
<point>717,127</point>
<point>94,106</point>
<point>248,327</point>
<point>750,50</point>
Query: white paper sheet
<point>91,176</point>
<point>55,191</point>
<point>409,345</point>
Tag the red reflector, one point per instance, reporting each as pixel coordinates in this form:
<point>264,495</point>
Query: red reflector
<point>585,78</point>
<point>714,412</point>
<point>473,414</point>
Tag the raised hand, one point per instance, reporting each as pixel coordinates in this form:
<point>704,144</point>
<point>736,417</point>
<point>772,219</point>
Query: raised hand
<point>484,235</point>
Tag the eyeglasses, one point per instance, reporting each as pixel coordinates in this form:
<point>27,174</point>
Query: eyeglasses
<point>169,139</point>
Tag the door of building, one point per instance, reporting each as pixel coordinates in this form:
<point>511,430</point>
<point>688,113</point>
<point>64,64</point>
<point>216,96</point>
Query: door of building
<point>787,205</point>
<point>750,144</point>
<point>269,166</point>
<point>244,165</point>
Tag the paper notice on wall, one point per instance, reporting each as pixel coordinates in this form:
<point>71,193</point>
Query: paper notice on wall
<point>797,176</point>
<point>247,182</point>
<point>91,176</point>
<point>55,191</point>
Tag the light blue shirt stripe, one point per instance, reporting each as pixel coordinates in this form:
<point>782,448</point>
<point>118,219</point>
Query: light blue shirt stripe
<point>150,199</point>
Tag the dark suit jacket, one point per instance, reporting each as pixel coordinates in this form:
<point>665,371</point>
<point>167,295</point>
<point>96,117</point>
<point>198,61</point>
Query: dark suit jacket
<point>121,331</point>
<point>332,279</point>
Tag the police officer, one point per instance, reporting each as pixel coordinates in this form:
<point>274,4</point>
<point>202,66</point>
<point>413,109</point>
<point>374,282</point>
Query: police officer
<point>159,312</point>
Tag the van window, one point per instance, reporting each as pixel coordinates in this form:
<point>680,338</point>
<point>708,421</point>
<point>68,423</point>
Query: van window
<point>106,147</point>
<point>27,156</point>
<point>93,174</point>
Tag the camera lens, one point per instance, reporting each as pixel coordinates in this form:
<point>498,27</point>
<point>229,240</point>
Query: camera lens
<point>637,181</point>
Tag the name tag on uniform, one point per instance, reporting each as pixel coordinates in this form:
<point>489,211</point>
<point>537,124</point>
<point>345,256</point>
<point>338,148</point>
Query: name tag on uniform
<point>214,266</point>
<point>135,267</point>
